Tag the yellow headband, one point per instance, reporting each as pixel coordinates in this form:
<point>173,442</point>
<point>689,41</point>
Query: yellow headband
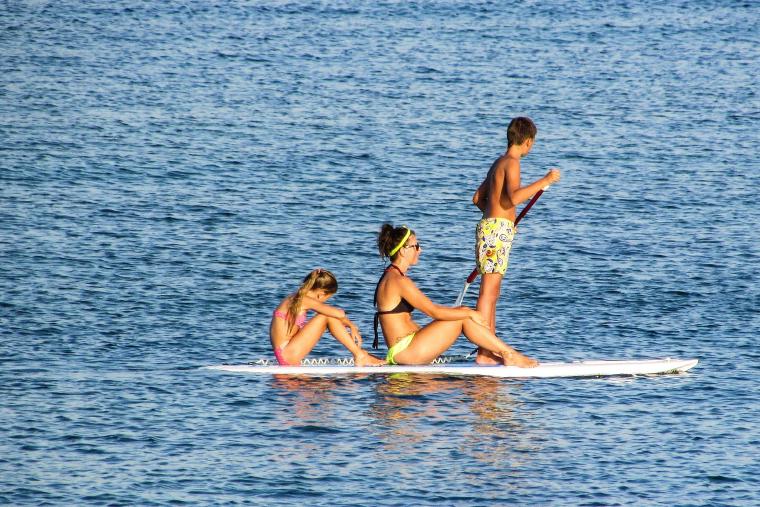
<point>403,240</point>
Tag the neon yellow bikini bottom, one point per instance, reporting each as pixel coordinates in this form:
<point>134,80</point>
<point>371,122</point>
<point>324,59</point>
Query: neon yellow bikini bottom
<point>400,346</point>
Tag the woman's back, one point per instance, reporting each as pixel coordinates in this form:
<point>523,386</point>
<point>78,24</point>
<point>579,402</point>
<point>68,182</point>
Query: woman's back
<point>393,311</point>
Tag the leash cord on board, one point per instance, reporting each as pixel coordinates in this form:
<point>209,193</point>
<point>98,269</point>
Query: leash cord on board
<point>349,361</point>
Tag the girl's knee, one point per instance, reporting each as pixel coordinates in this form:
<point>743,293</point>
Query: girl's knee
<point>321,318</point>
<point>334,325</point>
<point>332,322</point>
<point>319,321</point>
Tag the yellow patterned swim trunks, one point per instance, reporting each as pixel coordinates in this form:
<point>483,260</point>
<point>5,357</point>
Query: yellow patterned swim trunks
<point>493,242</point>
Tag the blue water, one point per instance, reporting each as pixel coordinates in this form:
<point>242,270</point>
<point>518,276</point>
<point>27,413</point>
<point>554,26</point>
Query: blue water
<point>169,171</point>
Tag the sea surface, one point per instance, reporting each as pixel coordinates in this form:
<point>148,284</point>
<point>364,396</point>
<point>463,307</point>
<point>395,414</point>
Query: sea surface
<point>169,171</point>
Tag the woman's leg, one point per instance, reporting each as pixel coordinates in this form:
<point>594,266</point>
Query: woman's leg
<point>493,346</point>
<point>430,342</point>
<point>438,336</point>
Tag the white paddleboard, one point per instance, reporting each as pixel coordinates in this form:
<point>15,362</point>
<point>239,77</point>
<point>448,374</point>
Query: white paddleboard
<point>543,370</point>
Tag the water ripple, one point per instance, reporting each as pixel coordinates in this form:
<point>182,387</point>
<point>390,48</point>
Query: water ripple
<point>170,170</point>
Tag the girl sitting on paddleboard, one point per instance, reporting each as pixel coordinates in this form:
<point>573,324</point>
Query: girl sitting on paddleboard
<point>293,337</point>
<point>396,296</point>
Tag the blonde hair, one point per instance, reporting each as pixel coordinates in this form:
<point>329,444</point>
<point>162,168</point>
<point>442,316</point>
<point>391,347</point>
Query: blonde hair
<point>318,279</point>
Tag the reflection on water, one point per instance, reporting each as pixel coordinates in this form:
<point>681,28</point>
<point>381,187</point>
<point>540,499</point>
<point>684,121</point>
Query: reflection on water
<point>491,425</point>
<point>154,219</point>
<point>479,416</point>
<point>309,399</point>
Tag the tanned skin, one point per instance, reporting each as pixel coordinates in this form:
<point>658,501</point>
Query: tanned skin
<point>497,197</point>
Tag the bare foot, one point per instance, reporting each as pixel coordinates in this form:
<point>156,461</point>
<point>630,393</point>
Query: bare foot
<point>364,358</point>
<point>514,358</point>
<point>487,357</point>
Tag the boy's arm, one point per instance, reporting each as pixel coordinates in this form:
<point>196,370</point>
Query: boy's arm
<point>518,194</point>
<point>480,198</point>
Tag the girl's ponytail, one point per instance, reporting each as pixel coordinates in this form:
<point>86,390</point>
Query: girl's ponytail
<point>317,279</point>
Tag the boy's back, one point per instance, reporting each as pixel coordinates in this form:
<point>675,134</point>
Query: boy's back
<point>494,199</point>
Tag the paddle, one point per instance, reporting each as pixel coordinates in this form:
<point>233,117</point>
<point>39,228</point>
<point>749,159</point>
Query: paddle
<point>474,273</point>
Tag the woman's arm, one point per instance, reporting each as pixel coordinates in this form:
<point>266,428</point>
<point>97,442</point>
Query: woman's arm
<point>421,302</point>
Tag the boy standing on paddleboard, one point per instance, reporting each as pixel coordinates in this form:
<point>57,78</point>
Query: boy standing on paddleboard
<point>497,198</point>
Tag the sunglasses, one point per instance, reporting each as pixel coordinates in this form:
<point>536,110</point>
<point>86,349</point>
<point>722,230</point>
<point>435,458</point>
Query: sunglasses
<point>416,247</point>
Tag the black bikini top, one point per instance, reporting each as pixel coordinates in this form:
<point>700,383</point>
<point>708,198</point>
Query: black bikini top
<point>402,307</point>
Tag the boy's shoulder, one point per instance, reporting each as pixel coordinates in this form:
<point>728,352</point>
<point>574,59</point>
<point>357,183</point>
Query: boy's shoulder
<point>504,162</point>
<point>500,167</point>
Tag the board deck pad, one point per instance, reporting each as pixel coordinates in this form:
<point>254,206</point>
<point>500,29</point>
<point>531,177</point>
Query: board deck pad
<point>543,370</point>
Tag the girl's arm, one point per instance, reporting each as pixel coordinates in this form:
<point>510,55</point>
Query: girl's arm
<point>323,308</point>
<point>334,312</point>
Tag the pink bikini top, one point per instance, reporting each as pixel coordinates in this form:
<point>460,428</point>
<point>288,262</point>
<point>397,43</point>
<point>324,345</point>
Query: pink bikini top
<point>300,320</point>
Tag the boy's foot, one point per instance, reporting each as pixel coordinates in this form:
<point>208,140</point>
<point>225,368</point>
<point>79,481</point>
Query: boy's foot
<point>364,358</point>
<point>514,358</point>
<point>487,357</point>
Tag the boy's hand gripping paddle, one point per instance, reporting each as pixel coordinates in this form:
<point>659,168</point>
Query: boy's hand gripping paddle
<point>474,273</point>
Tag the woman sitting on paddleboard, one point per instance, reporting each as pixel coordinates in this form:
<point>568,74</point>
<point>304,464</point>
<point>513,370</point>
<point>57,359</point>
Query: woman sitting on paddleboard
<point>396,296</point>
<point>293,337</point>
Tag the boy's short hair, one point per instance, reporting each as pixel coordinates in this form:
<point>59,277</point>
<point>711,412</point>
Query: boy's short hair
<point>520,130</point>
